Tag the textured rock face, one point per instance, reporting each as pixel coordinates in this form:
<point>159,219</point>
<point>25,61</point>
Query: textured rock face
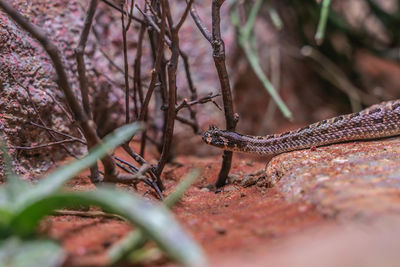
<point>356,180</point>
<point>28,92</point>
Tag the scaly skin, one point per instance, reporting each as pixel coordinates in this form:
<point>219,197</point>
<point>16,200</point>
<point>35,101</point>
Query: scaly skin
<point>378,121</point>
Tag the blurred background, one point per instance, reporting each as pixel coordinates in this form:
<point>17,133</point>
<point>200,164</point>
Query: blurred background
<point>355,65</point>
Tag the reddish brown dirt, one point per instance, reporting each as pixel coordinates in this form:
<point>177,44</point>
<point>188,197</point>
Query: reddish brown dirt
<point>232,223</point>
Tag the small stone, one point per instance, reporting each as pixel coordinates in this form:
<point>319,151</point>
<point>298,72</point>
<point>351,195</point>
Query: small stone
<point>210,187</point>
<point>248,180</point>
<point>242,194</point>
<point>205,189</point>
<point>259,172</point>
<point>230,188</point>
<point>264,182</point>
<point>232,178</point>
<point>220,230</point>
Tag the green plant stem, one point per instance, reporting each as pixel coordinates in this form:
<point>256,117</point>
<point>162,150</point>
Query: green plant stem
<point>248,28</point>
<point>319,36</point>
<point>246,40</point>
<point>276,19</point>
<point>254,63</point>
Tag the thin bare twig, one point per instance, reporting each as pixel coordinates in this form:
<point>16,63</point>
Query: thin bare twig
<point>83,82</point>
<point>43,146</point>
<point>203,100</point>
<point>110,60</point>
<point>89,214</point>
<point>153,12</point>
<point>137,84</point>
<point>136,157</point>
<point>133,168</point>
<point>66,113</point>
<point>109,3</point>
<point>192,89</point>
<point>126,67</point>
<point>40,117</point>
<point>156,72</point>
<point>172,67</point>
<point>79,54</point>
<point>57,132</point>
<point>192,124</point>
<point>219,59</point>
<point>137,80</point>
<point>130,15</point>
<point>183,18</point>
<point>186,65</point>
<point>203,29</point>
<point>182,54</point>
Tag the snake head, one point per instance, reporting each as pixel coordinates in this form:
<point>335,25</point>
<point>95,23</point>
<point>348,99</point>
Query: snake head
<point>213,136</point>
<point>223,139</point>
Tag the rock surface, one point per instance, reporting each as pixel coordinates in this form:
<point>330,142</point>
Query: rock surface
<point>28,91</point>
<point>352,180</point>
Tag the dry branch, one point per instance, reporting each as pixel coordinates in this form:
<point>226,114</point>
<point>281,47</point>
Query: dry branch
<point>218,46</point>
<point>87,126</point>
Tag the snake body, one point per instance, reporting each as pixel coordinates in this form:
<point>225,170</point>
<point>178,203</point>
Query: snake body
<point>378,121</point>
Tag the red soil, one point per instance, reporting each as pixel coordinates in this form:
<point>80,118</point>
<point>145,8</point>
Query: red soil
<point>233,223</point>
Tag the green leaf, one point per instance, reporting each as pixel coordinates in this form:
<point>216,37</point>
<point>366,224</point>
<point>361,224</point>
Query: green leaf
<point>276,19</point>
<point>5,212</point>
<point>319,35</point>
<point>249,26</point>
<point>255,65</point>
<point>130,243</point>
<point>135,239</point>
<point>15,185</point>
<point>154,220</point>
<point>181,188</point>
<point>4,203</point>
<point>38,253</point>
<point>53,182</point>
<point>246,40</point>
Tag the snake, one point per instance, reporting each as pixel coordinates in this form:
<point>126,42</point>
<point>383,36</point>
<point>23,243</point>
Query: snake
<point>378,121</point>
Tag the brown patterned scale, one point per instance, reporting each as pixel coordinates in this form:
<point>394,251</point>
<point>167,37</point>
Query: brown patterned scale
<point>377,121</point>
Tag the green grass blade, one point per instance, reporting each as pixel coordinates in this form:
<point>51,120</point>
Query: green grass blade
<point>131,242</point>
<point>255,64</point>
<point>248,28</point>
<point>15,185</point>
<point>6,211</point>
<point>175,196</point>
<point>276,19</point>
<point>246,40</point>
<point>155,221</point>
<point>35,253</point>
<point>319,36</point>
<point>136,239</point>
<point>6,158</point>
<point>57,178</point>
